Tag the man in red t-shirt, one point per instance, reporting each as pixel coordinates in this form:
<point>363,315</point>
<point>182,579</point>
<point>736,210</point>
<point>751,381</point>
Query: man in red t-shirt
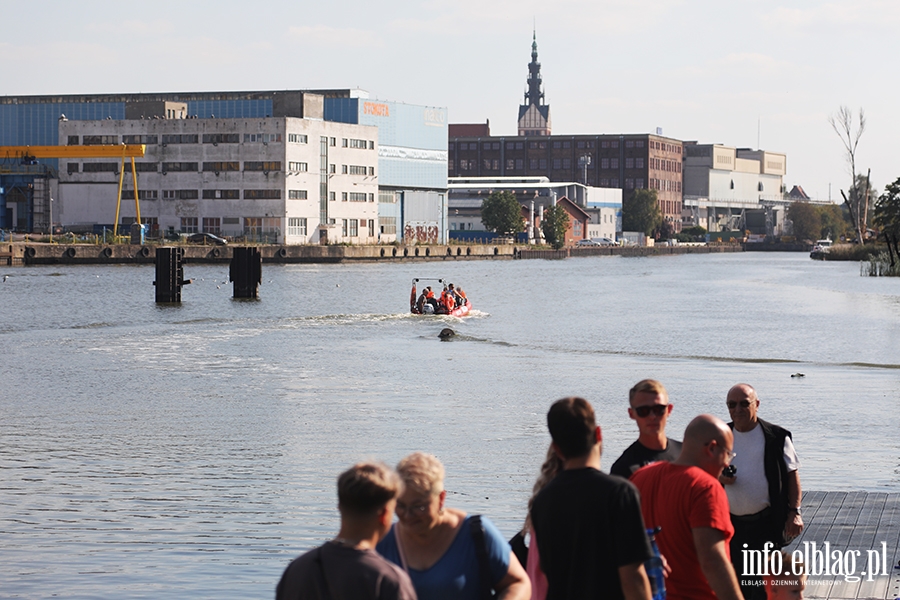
<point>686,501</point>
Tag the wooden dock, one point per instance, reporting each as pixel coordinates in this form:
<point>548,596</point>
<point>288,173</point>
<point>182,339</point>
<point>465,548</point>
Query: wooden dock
<point>848,522</point>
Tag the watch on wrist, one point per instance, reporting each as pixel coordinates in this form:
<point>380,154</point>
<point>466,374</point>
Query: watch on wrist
<point>794,510</point>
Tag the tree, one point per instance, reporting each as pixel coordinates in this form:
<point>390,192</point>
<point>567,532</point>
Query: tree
<point>502,213</point>
<point>641,212</point>
<point>554,226</point>
<point>842,123</point>
<point>834,221</point>
<point>887,217</point>
<point>806,219</point>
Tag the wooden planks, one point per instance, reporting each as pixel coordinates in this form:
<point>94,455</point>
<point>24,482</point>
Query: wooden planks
<point>857,526</point>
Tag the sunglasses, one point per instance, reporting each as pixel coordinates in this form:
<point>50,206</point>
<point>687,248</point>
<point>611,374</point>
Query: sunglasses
<point>657,409</point>
<point>742,404</point>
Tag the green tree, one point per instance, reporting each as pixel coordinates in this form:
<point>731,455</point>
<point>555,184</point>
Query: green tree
<point>887,217</point>
<point>554,226</point>
<point>502,213</point>
<point>641,212</point>
<point>834,221</point>
<point>806,219</point>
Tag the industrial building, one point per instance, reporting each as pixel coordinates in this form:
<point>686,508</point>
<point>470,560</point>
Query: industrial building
<point>727,189</point>
<point>409,181</point>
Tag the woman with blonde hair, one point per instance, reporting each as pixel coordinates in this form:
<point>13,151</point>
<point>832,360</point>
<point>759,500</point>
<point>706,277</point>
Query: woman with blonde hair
<point>448,554</point>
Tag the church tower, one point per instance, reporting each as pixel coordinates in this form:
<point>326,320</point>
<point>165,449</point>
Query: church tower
<point>534,115</point>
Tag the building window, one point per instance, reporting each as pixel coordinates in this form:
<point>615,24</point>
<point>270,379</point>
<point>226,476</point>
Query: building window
<point>221,194</point>
<point>264,138</point>
<point>92,167</point>
<point>73,140</point>
<point>510,164</point>
<point>140,139</point>
<point>520,164</point>
<point>212,225</point>
<point>629,163</point>
<point>567,163</point>
<point>331,196</point>
<point>180,139</point>
<point>142,194</point>
<point>297,138</point>
<point>638,163</point>
<point>143,167</point>
<point>72,167</point>
<point>629,184</point>
<point>358,196</point>
<point>354,228</point>
<point>343,142</point>
<point>388,225</point>
<point>96,140</point>
<point>222,166</point>
<point>298,167</point>
<point>358,169</point>
<point>221,138</point>
<point>543,164</point>
<point>629,143</point>
<point>533,163</point>
<point>344,227</point>
<point>179,167</point>
<point>343,196</point>
<point>639,144</point>
<point>450,165</point>
<point>262,194</point>
<point>332,141</point>
<point>297,195</point>
<point>265,165</point>
<point>614,163</point>
<point>189,224</point>
<point>296,226</point>
<point>639,183</point>
<point>557,163</point>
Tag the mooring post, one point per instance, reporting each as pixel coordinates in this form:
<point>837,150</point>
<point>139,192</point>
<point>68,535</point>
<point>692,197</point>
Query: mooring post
<point>245,271</point>
<point>169,274</point>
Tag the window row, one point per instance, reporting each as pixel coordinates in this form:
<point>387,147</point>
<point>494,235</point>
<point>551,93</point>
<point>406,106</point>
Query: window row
<point>362,144</point>
<point>676,148</point>
<point>357,170</point>
<point>659,164</point>
<point>297,138</point>
<point>183,138</point>
<point>265,194</point>
<point>181,167</point>
<point>665,185</point>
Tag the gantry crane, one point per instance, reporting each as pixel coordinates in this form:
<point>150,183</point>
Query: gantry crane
<point>26,154</point>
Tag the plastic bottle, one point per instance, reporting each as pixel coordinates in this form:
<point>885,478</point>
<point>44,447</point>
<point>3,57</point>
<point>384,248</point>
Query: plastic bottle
<point>654,568</point>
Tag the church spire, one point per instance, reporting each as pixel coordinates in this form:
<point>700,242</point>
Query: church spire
<point>534,95</point>
<point>534,115</point>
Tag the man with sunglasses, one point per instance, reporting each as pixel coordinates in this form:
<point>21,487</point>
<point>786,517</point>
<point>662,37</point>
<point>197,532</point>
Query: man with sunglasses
<point>764,494</point>
<point>650,409</point>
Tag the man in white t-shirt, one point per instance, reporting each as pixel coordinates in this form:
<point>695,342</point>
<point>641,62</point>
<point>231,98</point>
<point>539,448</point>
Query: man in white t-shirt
<point>764,493</point>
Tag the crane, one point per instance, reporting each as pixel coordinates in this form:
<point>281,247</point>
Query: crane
<point>26,154</point>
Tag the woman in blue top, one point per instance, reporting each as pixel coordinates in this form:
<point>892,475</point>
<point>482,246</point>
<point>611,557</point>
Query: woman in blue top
<point>434,543</point>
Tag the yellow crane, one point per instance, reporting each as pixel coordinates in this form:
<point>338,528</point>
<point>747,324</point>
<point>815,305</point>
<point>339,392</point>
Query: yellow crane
<point>123,151</point>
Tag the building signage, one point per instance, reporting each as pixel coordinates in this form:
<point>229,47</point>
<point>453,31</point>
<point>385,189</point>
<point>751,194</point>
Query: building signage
<point>376,108</point>
<point>412,153</point>
<point>435,117</point>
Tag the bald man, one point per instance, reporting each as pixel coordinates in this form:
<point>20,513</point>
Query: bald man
<point>764,494</point>
<point>686,501</point>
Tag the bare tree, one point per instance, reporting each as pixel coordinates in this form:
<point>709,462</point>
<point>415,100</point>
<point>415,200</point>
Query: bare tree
<point>842,123</point>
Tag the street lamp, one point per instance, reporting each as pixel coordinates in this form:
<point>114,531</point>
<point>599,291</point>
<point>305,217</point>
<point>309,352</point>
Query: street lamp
<point>584,162</point>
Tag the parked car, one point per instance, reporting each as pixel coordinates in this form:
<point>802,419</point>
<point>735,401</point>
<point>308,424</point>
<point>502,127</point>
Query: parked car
<point>601,241</point>
<point>586,243</point>
<point>206,238</point>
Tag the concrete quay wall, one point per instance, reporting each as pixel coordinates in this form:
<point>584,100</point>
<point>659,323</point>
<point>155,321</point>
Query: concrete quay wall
<point>30,253</point>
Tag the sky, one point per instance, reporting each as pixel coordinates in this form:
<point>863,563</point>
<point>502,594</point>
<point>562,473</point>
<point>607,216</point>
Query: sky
<point>764,74</point>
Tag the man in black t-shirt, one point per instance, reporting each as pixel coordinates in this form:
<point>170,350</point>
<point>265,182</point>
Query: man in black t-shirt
<point>650,409</point>
<point>587,525</point>
<point>348,566</point>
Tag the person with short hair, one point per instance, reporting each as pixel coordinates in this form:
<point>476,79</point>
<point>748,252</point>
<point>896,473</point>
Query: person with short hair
<point>764,493</point>
<point>588,528</point>
<point>448,554</point>
<point>686,501</point>
<point>650,408</point>
<point>790,581</point>
<point>348,566</point>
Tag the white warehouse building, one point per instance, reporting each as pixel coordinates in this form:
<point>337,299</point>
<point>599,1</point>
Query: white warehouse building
<point>285,180</point>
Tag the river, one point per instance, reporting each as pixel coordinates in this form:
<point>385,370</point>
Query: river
<point>192,451</point>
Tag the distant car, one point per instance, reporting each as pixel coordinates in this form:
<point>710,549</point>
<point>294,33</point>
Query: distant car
<point>596,242</point>
<point>206,238</point>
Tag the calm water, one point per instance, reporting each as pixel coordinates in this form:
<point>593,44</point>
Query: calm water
<point>167,452</point>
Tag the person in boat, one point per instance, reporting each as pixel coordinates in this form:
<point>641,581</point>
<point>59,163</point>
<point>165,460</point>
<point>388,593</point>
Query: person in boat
<point>440,546</point>
<point>422,301</point>
<point>457,298</point>
<point>446,303</point>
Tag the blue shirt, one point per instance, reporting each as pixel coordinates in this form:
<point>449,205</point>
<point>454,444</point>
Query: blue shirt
<point>455,575</point>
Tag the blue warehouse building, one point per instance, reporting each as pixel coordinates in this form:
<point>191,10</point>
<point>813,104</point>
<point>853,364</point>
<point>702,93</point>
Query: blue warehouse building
<point>412,147</point>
